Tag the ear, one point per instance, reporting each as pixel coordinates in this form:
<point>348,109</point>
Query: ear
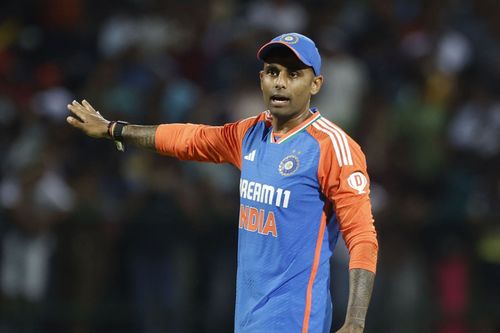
<point>316,84</point>
<point>261,76</point>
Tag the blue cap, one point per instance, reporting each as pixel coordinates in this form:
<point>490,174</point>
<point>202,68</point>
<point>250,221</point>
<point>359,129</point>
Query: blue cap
<point>303,47</point>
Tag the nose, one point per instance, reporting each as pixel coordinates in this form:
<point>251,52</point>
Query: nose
<point>280,81</point>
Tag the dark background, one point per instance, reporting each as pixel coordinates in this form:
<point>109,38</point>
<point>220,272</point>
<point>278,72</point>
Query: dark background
<point>93,240</point>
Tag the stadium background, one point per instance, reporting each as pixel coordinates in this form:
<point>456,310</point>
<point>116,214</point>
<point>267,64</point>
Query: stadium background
<point>92,240</point>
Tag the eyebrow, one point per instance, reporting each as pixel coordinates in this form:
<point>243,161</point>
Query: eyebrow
<point>271,66</point>
<point>289,68</point>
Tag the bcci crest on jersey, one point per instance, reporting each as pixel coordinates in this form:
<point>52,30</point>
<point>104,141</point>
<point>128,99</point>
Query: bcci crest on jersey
<point>289,165</point>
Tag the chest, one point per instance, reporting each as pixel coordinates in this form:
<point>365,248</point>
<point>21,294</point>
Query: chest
<point>290,165</point>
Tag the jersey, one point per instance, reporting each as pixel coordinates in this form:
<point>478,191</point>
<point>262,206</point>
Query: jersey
<point>297,192</point>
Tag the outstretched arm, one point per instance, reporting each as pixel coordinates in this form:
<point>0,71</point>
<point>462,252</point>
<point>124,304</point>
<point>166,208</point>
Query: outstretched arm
<point>360,291</point>
<point>194,142</point>
<point>92,123</point>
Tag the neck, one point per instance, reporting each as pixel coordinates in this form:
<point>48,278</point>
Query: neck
<point>283,125</point>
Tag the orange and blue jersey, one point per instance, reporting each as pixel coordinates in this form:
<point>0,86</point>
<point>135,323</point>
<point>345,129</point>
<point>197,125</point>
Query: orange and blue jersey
<point>297,192</point>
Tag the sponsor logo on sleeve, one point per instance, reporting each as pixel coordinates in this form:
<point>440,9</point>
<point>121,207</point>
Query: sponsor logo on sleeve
<point>358,181</point>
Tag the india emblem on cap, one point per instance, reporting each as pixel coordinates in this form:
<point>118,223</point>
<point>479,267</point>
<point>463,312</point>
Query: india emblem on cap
<point>303,47</point>
<point>290,39</point>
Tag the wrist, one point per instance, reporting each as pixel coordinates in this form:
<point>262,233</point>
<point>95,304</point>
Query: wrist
<point>115,131</point>
<point>109,130</point>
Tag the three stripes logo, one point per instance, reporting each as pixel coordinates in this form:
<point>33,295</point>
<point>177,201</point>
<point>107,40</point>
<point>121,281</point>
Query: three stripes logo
<point>250,156</point>
<point>339,140</point>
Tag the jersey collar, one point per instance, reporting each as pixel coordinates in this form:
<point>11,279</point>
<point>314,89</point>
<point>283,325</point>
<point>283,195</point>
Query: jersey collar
<point>297,129</point>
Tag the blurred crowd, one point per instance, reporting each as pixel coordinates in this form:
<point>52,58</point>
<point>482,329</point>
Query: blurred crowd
<point>93,240</point>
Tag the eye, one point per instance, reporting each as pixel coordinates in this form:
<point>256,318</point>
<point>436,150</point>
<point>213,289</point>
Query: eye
<point>272,72</point>
<point>294,74</point>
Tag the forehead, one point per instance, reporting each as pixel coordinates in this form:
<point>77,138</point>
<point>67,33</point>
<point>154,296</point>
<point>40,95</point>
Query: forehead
<point>285,57</point>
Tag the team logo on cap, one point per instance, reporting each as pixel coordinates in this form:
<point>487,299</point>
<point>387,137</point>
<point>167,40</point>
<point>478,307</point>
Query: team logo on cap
<point>290,39</point>
<point>289,165</point>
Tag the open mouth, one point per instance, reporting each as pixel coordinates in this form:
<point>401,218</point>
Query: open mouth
<point>279,100</point>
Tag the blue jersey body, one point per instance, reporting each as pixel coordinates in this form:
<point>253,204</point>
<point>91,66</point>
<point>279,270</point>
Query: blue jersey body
<point>279,184</point>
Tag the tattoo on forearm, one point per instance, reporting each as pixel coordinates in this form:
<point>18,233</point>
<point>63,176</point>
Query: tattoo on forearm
<point>360,291</point>
<point>140,136</point>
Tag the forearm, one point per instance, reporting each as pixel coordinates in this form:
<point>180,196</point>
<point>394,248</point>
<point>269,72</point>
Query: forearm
<point>92,123</point>
<point>140,136</point>
<point>360,291</point>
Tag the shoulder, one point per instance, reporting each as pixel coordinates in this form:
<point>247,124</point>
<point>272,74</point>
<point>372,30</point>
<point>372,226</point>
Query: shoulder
<point>333,140</point>
<point>243,126</point>
<point>263,117</point>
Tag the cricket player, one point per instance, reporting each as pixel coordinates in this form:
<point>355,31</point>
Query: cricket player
<point>303,181</point>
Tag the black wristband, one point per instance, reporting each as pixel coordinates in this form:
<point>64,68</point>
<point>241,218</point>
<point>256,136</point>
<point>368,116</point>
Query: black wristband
<point>117,130</point>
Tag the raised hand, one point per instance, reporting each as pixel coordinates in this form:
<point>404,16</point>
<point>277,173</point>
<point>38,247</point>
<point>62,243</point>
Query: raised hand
<point>88,120</point>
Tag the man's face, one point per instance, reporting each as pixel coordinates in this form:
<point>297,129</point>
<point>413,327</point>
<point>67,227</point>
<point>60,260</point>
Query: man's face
<point>287,84</point>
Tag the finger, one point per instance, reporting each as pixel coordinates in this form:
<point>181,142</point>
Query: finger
<point>76,104</point>
<point>88,106</point>
<point>80,107</point>
<point>77,111</point>
<point>74,122</point>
